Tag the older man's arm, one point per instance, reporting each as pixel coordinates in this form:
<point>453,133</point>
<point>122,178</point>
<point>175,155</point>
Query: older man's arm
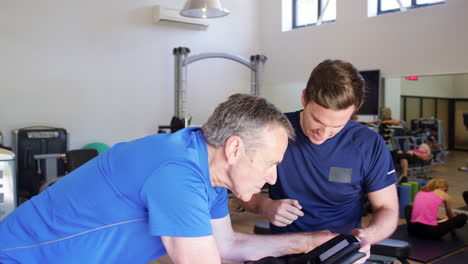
<point>239,247</point>
<point>189,250</point>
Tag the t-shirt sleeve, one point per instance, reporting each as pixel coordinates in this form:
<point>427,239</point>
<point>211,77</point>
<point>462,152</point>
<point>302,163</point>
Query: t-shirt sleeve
<point>219,209</point>
<point>177,202</point>
<point>380,172</point>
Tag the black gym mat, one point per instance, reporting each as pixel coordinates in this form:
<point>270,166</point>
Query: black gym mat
<point>428,250</point>
<point>457,258</point>
<point>462,210</point>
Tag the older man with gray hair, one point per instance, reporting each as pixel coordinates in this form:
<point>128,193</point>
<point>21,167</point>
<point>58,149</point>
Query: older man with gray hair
<point>164,193</point>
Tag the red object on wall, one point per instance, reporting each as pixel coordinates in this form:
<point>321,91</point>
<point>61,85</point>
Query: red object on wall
<point>412,78</point>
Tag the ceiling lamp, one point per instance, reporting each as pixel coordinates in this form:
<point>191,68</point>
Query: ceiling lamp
<point>203,9</point>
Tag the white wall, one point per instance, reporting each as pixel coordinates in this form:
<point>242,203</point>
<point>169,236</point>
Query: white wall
<point>392,88</point>
<point>441,86</point>
<point>421,41</point>
<point>430,86</point>
<point>104,71</point>
<point>460,86</point>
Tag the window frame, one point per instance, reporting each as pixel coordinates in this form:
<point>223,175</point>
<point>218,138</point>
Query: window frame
<point>413,5</point>
<point>319,13</point>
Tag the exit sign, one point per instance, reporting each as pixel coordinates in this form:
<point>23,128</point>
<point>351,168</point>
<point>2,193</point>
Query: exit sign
<point>412,78</point>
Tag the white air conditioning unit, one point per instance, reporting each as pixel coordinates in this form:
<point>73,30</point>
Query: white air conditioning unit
<point>171,15</point>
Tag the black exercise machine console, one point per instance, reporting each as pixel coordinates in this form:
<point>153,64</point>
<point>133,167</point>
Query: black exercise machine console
<point>342,249</point>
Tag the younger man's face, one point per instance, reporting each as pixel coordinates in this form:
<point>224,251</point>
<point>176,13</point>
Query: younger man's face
<point>319,123</point>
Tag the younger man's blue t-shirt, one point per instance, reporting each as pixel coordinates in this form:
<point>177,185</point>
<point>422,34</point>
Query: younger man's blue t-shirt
<point>331,180</point>
<point>114,208</point>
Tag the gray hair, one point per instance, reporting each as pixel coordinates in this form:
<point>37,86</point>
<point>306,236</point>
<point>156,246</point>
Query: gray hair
<point>245,116</point>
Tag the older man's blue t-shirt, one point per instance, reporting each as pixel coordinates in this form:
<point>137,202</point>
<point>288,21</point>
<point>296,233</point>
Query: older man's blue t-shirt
<point>331,180</point>
<point>115,208</point>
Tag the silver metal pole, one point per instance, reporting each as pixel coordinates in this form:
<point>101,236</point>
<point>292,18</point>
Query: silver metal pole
<point>254,89</point>
<point>177,81</point>
<point>180,61</point>
<point>257,61</point>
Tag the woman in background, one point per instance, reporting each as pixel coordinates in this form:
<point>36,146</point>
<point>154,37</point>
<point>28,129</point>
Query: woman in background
<point>420,157</point>
<point>425,220</point>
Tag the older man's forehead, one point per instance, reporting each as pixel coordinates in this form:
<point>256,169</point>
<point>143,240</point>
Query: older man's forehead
<point>274,142</point>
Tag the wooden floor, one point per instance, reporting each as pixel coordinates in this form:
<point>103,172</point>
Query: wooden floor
<point>458,182</point>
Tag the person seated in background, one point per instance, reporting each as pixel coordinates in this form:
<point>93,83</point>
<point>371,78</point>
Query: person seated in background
<point>384,124</point>
<point>425,221</point>
<point>437,150</point>
<point>419,156</point>
<point>384,118</point>
<point>465,122</point>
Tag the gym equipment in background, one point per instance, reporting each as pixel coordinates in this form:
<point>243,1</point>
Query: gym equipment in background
<point>48,169</point>
<point>429,127</point>
<point>8,201</point>
<point>389,250</point>
<point>38,150</point>
<point>181,60</point>
<point>100,147</point>
<point>340,249</point>
<point>1,139</point>
<point>73,160</point>
<point>465,122</point>
<point>404,197</point>
<point>76,158</point>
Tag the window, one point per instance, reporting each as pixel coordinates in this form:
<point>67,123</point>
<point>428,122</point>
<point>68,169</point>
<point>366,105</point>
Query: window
<point>313,12</point>
<point>386,6</point>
